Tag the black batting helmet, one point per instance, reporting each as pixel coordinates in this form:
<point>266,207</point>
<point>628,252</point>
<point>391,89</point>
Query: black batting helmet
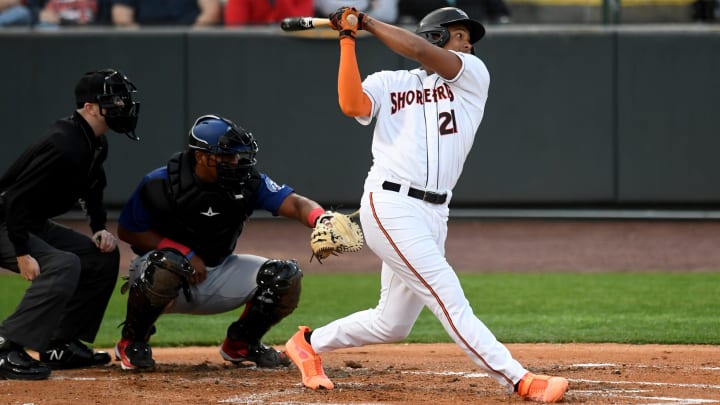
<point>433,27</point>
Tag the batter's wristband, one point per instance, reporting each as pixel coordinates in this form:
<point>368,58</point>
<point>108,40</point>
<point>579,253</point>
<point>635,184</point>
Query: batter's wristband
<point>314,215</point>
<point>347,34</point>
<point>169,243</point>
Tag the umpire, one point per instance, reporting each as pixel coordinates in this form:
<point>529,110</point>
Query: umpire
<point>72,275</point>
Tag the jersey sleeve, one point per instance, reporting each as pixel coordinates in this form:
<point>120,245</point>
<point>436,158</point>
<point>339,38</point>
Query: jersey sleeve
<point>473,76</point>
<point>135,216</point>
<point>374,87</point>
<point>271,195</point>
<point>26,182</point>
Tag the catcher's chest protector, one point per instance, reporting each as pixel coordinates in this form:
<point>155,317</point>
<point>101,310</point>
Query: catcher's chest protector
<point>207,218</point>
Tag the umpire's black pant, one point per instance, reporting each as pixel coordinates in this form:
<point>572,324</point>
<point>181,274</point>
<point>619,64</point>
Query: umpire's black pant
<point>69,297</point>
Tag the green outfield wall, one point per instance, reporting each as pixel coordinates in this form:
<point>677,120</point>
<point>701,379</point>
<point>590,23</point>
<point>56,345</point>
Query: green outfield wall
<point>577,116</point>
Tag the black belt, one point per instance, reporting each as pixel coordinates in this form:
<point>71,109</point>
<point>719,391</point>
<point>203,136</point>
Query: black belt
<point>433,198</point>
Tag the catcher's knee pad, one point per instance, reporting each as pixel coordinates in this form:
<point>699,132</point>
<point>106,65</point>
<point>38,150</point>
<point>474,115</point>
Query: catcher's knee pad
<point>166,272</point>
<point>276,297</point>
<point>279,287</point>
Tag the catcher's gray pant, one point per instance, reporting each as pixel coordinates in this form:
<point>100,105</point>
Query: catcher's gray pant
<point>228,286</point>
<point>69,297</point>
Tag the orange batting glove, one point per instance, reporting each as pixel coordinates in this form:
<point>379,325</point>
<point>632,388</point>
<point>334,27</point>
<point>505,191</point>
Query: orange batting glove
<point>347,20</point>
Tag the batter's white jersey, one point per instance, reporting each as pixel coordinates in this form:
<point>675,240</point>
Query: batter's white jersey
<point>425,129</point>
<point>412,105</point>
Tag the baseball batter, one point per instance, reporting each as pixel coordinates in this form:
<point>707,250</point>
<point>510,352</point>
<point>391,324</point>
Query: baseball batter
<point>426,120</point>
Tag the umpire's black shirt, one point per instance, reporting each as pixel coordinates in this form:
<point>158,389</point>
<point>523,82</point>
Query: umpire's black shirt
<point>50,177</point>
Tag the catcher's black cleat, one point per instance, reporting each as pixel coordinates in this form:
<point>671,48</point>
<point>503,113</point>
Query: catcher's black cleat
<point>263,356</point>
<point>134,355</point>
<point>73,354</point>
<point>16,364</point>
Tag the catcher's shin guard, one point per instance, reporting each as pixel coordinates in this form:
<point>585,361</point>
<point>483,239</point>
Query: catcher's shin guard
<point>166,272</point>
<point>277,296</point>
<point>140,316</point>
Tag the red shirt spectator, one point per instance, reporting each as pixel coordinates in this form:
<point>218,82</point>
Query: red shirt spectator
<point>247,12</point>
<point>69,12</point>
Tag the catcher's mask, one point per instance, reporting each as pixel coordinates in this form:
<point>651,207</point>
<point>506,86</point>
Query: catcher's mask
<point>112,91</point>
<point>220,136</point>
<point>433,27</point>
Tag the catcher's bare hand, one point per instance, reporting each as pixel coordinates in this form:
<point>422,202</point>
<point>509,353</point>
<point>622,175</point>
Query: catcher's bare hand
<point>335,233</point>
<point>200,273</point>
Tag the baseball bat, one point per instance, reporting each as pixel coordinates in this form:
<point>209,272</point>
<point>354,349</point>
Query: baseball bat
<point>303,23</point>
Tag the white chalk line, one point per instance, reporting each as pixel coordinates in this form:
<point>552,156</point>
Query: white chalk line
<point>628,395</point>
<point>619,393</point>
<point>274,398</point>
<point>651,383</point>
<point>592,365</point>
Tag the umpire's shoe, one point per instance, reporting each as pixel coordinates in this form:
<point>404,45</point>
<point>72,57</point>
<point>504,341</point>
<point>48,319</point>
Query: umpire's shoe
<point>16,364</point>
<point>72,354</point>
<point>263,356</point>
<point>134,355</point>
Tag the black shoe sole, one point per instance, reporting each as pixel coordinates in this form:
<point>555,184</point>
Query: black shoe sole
<point>66,365</point>
<point>62,366</point>
<point>28,377</point>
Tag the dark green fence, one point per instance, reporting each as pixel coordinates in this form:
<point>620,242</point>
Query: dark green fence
<point>603,116</point>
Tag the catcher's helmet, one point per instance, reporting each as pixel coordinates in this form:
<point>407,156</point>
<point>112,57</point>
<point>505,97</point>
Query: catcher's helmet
<point>112,91</point>
<point>433,27</point>
<point>220,136</point>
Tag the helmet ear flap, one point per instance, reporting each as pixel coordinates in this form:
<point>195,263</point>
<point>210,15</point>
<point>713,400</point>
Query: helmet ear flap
<point>439,37</point>
<point>437,21</point>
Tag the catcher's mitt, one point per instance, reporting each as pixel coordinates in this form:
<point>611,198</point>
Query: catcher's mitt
<point>335,233</point>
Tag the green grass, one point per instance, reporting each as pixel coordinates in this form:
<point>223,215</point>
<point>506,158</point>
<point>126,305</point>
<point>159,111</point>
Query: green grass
<point>671,308</point>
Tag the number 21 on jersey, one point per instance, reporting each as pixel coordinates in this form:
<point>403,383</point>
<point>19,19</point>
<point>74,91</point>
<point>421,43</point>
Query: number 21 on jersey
<point>448,126</point>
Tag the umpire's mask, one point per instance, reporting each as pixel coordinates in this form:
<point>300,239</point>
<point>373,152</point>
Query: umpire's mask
<point>112,91</point>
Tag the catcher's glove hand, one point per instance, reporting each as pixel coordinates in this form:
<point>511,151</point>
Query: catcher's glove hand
<point>335,233</point>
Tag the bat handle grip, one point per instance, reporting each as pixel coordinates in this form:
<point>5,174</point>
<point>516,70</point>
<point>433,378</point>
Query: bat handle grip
<point>296,23</point>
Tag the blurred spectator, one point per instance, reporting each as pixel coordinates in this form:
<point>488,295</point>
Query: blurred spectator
<point>55,13</point>
<point>14,12</point>
<point>383,10</point>
<point>706,10</point>
<point>246,12</point>
<point>129,13</point>
<point>487,11</point>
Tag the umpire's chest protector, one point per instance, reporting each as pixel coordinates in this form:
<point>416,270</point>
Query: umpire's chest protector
<point>202,216</point>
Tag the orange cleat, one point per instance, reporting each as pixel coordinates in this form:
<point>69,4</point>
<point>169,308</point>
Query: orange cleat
<point>542,388</point>
<point>309,362</point>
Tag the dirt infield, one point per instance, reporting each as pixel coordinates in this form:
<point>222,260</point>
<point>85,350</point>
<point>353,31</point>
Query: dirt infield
<point>439,374</point>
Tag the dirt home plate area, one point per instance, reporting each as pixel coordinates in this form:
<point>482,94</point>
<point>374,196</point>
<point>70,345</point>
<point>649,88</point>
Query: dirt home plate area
<point>438,374</point>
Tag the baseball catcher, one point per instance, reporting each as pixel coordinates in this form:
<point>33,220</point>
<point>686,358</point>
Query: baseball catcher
<point>335,233</point>
<point>183,221</point>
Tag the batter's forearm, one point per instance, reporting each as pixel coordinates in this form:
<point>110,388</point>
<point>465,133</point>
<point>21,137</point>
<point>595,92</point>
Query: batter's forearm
<point>398,39</point>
